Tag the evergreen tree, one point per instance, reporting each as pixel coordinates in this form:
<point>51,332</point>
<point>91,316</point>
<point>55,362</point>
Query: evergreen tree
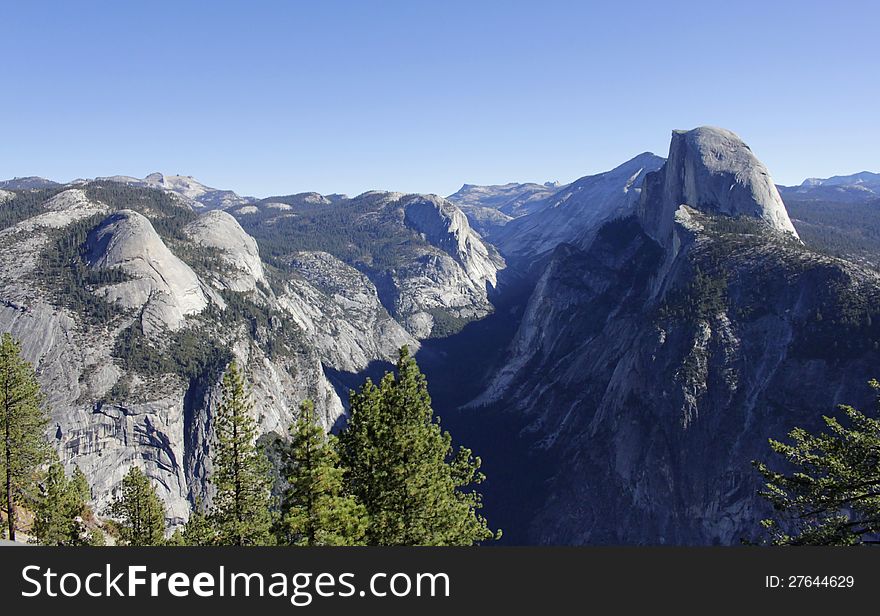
<point>140,511</point>
<point>23,422</point>
<point>402,467</point>
<point>61,507</point>
<point>315,511</point>
<point>80,485</point>
<point>241,507</point>
<point>176,539</point>
<point>96,538</point>
<point>832,495</point>
<point>198,529</point>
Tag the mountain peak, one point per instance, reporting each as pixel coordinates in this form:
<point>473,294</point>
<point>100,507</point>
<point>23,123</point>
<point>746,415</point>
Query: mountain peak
<point>712,170</point>
<point>32,182</point>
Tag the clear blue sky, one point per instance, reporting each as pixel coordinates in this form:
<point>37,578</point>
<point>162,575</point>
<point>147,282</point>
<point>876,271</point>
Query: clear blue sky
<point>279,97</point>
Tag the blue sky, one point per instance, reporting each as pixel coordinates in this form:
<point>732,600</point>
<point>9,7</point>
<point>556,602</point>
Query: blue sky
<point>280,97</point>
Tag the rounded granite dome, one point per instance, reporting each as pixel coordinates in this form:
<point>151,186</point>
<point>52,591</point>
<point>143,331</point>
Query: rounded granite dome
<point>712,170</point>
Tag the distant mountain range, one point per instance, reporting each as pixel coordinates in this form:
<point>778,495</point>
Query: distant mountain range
<point>856,187</point>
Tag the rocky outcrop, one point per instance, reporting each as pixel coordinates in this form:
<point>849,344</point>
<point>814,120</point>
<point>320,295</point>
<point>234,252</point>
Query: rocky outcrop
<point>109,414</point>
<point>160,284</point>
<point>339,309</point>
<point>453,278</point>
<point>711,170</point>
<point>238,250</point>
<point>186,186</point>
<point>61,210</point>
<point>446,227</point>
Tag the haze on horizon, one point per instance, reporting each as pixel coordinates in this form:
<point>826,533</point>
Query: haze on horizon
<point>272,98</point>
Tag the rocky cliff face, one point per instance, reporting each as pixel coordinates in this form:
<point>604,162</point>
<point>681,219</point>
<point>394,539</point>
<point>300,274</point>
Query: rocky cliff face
<point>711,170</point>
<point>238,250</point>
<point>339,309</point>
<point>653,362</point>
<point>454,278</point>
<point>162,287</point>
<point>131,316</point>
<point>431,270</point>
<point>575,213</point>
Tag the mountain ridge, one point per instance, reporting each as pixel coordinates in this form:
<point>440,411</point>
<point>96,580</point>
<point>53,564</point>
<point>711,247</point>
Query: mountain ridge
<point>654,324</point>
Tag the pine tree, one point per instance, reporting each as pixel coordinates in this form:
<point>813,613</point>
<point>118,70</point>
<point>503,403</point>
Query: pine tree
<point>140,511</point>
<point>23,422</point>
<point>61,507</point>
<point>402,467</point>
<point>315,511</point>
<point>80,485</point>
<point>198,529</point>
<point>96,538</point>
<point>241,511</point>
<point>832,495</point>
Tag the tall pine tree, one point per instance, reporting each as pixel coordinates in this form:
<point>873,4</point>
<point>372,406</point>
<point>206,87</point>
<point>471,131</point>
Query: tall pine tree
<point>140,511</point>
<point>241,509</point>
<point>315,511</point>
<point>23,422</point>
<point>60,508</point>
<point>417,490</point>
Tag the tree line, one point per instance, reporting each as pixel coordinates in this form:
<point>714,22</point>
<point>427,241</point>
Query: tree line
<point>391,477</point>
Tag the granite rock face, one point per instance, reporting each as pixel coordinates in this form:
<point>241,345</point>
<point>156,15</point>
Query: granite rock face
<point>339,309</point>
<point>575,213</point>
<point>654,361</point>
<point>219,230</point>
<point>446,227</point>
<point>112,408</point>
<point>163,286</point>
<point>454,276</point>
<point>714,171</point>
